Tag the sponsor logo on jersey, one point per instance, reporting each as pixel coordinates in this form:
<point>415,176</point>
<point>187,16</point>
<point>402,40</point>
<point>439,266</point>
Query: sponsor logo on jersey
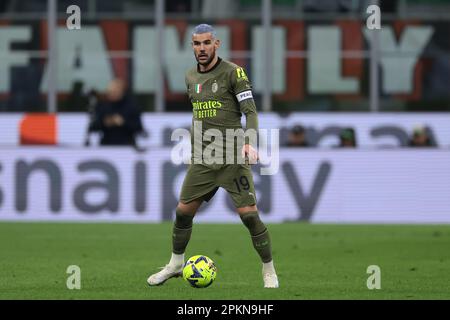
<point>202,105</point>
<point>205,109</point>
<point>244,95</point>
<point>198,88</point>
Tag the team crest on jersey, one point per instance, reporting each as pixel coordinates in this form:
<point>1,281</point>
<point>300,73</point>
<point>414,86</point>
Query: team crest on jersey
<point>198,88</point>
<point>215,87</point>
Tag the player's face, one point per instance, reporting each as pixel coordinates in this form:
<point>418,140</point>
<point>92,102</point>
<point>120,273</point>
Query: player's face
<point>205,46</point>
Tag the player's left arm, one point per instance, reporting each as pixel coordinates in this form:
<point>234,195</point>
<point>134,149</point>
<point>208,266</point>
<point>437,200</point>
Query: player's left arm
<point>243,90</point>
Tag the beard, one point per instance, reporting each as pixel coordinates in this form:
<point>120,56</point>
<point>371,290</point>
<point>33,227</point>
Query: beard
<point>207,62</point>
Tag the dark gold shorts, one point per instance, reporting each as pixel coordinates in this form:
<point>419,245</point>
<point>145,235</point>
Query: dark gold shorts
<point>203,181</point>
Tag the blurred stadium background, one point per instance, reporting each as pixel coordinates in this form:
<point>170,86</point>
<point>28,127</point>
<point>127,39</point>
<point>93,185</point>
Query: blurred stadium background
<point>316,70</point>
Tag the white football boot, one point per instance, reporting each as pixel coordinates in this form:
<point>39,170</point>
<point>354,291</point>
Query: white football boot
<point>270,280</point>
<point>166,273</point>
<point>269,275</point>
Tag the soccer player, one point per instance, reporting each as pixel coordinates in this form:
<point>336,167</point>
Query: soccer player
<point>219,92</point>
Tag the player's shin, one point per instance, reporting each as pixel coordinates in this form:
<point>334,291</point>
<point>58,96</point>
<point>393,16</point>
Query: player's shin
<point>260,235</point>
<point>181,235</point>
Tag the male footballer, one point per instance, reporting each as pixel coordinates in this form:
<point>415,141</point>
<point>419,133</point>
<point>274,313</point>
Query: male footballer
<point>219,92</point>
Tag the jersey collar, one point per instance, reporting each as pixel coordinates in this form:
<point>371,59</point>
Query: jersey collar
<point>215,66</point>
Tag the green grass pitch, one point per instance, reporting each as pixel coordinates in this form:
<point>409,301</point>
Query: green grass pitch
<point>313,261</point>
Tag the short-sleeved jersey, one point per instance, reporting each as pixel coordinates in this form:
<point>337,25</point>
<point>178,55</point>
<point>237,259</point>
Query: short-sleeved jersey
<point>219,96</point>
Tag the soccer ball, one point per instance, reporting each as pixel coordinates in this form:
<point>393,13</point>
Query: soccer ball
<point>200,271</point>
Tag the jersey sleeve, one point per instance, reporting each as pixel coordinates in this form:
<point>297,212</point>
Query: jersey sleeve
<point>242,89</point>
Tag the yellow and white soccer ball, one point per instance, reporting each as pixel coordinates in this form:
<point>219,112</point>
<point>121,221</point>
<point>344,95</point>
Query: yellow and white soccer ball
<point>199,271</point>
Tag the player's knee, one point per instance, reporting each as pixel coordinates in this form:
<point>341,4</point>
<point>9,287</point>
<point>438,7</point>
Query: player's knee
<point>253,223</point>
<point>189,208</point>
<point>244,210</point>
<point>183,220</point>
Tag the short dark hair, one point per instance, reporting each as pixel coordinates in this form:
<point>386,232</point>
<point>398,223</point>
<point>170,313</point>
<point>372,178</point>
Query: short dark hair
<point>347,134</point>
<point>298,129</point>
